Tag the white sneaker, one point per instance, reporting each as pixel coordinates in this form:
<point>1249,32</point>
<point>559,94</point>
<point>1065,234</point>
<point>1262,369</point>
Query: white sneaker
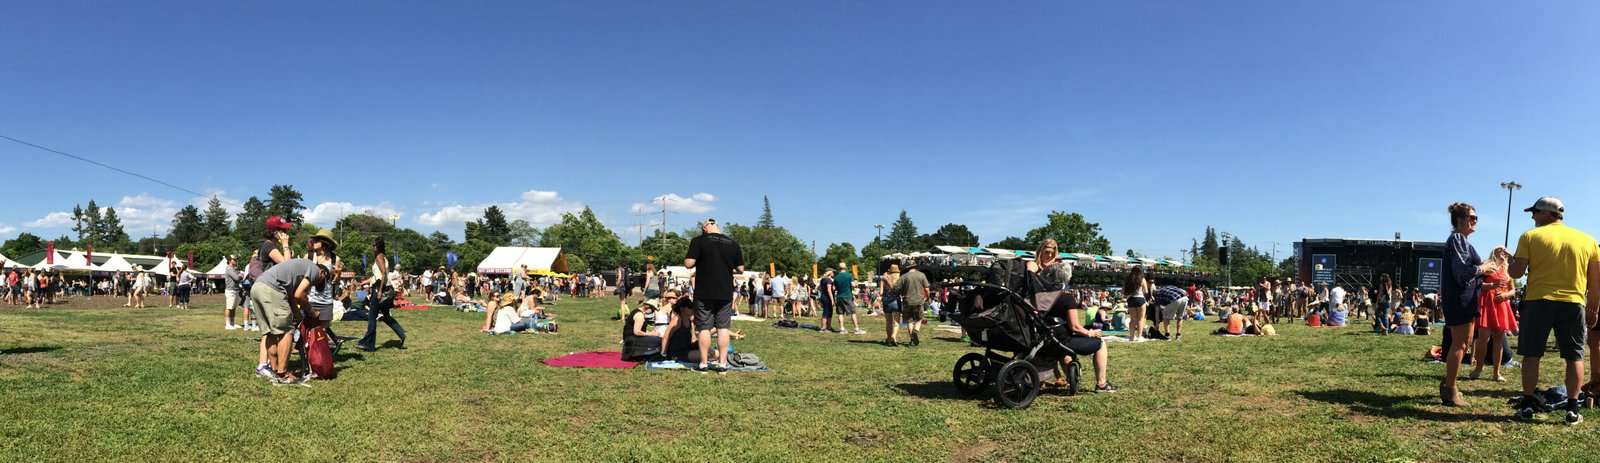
<point>230,326</point>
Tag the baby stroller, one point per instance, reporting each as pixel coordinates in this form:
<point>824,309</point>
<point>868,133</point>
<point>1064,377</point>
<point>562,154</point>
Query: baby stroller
<point>1021,345</point>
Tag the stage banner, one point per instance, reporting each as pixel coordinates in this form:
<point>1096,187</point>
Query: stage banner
<point>1322,266</point>
<point>1428,273</point>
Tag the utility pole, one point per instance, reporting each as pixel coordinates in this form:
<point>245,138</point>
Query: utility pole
<point>638,218</point>
<point>1509,186</point>
<point>880,232</point>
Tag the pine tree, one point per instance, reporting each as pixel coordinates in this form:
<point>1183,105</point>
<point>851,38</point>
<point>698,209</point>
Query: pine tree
<point>766,214</point>
<point>216,219</point>
<point>903,235</point>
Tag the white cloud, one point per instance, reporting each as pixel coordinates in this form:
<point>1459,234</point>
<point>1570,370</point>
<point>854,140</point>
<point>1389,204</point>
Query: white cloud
<point>145,212</point>
<point>232,205</point>
<point>7,230</point>
<point>329,213</point>
<point>138,214</point>
<point>51,220</point>
<point>539,208</point>
<point>698,203</point>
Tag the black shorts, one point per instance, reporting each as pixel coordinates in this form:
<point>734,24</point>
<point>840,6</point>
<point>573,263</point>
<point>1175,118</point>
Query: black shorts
<point>712,314</point>
<point>1541,317</point>
<point>1083,345</point>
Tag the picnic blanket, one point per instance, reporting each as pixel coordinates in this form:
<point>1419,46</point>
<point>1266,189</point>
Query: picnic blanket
<point>406,304</point>
<point>673,365</point>
<point>592,360</point>
<point>1236,335</point>
<point>747,318</point>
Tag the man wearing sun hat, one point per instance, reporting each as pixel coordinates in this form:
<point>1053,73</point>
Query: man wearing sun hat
<point>1563,269</point>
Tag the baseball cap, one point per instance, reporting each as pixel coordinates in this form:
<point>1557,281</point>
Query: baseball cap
<point>841,266</point>
<point>705,222</point>
<point>277,222</point>
<point>1547,203</point>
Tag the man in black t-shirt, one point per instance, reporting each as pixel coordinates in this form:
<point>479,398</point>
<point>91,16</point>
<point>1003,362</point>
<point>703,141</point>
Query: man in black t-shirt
<point>715,258</point>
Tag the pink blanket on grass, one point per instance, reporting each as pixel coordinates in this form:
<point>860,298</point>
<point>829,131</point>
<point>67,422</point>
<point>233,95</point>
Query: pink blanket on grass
<point>592,360</point>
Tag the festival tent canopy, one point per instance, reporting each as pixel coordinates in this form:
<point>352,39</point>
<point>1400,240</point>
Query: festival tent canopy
<point>159,268</point>
<point>221,270</point>
<point>115,264</point>
<point>951,250</point>
<point>505,259</point>
<point>1068,255</point>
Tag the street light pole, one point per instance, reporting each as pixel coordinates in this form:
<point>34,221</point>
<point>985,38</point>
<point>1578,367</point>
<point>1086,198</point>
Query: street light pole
<point>1510,187</point>
<point>880,231</point>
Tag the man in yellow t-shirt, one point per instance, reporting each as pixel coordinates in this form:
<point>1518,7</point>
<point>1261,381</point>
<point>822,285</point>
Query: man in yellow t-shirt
<point>1563,268</point>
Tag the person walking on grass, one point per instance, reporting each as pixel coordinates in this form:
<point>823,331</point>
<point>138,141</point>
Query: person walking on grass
<point>913,290</point>
<point>715,258</point>
<point>1563,295</point>
<point>844,298</point>
<point>230,299</point>
<point>1459,288</point>
<point>891,304</point>
<point>281,300</point>
<point>379,302</point>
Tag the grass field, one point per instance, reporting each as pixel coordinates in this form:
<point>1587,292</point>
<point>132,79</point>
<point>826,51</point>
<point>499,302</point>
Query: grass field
<point>113,384</point>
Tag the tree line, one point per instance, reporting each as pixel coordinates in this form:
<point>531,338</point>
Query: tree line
<point>588,244</point>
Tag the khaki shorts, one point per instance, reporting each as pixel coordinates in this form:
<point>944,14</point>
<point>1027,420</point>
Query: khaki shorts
<point>911,312</point>
<point>272,309</point>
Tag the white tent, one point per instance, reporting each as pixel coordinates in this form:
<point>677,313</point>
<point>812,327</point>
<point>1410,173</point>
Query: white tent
<point>951,249</point>
<point>220,270</point>
<point>115,264</point>
<point>504,259</point>
<point>76,261</point>
<point>160,268</point>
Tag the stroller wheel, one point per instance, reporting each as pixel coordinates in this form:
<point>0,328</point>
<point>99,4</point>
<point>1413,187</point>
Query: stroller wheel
<point>971,373</point>
<point>1074,377</point>
<point>1017,384</point>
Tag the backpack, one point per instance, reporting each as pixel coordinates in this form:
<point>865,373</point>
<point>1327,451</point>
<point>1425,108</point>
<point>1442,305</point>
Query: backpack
<point>319,358</point>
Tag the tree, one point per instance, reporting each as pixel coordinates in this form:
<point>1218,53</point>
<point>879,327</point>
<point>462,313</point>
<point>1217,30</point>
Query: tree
<point>770,245</point>
<point>1072,234</point>
<point>284,201</point>
<point>1208,246</point>
<point>903,235</point>
<point>838,253</point>
<point>1012,242</point>
<point>187,227</point>
<point>473,231</point>
<point>25,243</point>
<point>952,235</point>
<point>584,236</point>
<point>523,233</point>
<point>665,248</point>
<point>873,253</point>
<point>216,219</point>
<point>247,226</point>
<point>111,233</point>
<point>493,227</point>
<point>766,214</point>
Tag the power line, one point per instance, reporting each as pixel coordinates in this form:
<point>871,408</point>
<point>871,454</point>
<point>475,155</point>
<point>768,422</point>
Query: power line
<point>135,174</point>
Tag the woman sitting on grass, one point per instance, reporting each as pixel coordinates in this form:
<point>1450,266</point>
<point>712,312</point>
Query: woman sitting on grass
<point>639,342</point>
<point>1403,326</point>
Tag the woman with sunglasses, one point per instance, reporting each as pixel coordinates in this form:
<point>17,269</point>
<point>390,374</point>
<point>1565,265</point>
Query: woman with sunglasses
<point>1458,299</point>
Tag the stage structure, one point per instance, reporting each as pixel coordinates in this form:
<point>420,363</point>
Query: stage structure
<point>1359,262</point>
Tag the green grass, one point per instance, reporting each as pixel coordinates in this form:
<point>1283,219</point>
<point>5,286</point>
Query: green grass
<point>161,384</point>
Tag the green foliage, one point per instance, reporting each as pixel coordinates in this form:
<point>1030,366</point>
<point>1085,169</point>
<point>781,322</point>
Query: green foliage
<point>208,253</point>
<point>25,243</point>
<point>284,201</point>
<point>951,234</point>
<point>665,248</point>
<point>113,237</point>
<point>1014,243</point>
<point>839,252</point>
<point>902,236</point>
<point>873,252</point>
<point>523,234</point>
<point>583,235</point>
<point>216,218</point>
<point>770,245</point>
<point>247,226</point>
<point>493,227</point>
<point>766,214</point>
<point>187,227</point>
<point>1071,232</point>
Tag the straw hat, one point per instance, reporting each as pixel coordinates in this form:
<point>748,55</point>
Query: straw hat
<point>894,268</point>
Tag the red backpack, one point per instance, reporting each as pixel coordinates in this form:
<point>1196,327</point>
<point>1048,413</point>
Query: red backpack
<point>318,356</point>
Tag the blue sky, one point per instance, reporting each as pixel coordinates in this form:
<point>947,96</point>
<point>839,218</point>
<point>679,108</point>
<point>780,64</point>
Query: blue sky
<point>1272,120</point>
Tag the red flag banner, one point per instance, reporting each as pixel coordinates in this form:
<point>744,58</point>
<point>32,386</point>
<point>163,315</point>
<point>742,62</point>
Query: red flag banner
<point>88,257</point>
<point>50,253</point>
<point>190,263</point>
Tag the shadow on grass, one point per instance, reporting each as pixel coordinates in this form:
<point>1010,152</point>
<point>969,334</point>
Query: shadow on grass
<point>29,350</point>
<point>874,342</point>
<point>937,390</point>
<point>1386,406</point>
